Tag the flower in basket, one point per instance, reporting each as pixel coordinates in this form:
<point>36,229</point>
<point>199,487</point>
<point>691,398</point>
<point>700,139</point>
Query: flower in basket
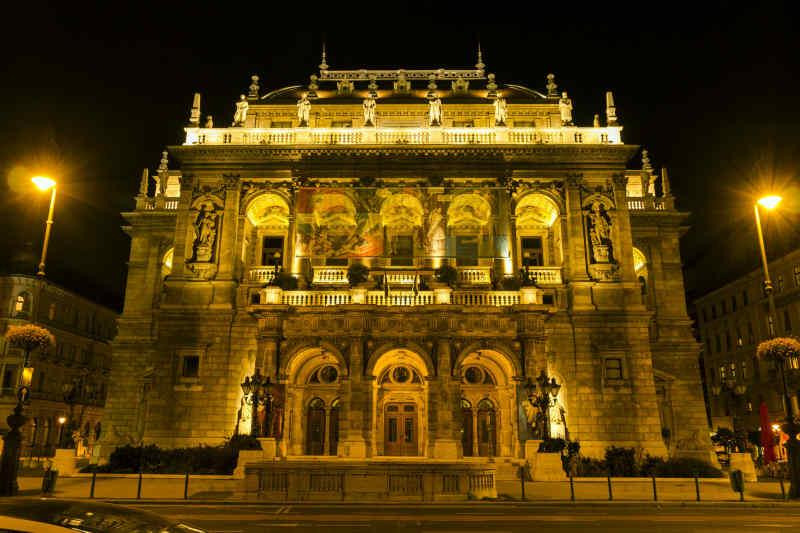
<point>779,348</point>
<point>29,337</point>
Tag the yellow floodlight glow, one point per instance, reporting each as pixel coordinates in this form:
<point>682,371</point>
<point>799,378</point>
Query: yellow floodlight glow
<point>43,183</point>
<point>770,202</point>
<point>62,419</point>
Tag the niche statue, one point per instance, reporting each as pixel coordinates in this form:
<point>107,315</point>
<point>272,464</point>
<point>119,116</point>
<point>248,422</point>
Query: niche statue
<point>205,234</point>
<point>599,226</point>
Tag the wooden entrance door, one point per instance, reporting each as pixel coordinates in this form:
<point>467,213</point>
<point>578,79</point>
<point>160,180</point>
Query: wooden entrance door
<point>487,433</point>
<point>315,429</point>
<point>400,435</point>
<point>466,434</point>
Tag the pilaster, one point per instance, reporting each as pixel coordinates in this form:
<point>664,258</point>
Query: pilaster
<point>229,222</point>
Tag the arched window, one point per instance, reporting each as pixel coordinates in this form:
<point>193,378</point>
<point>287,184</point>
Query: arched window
<point>487,428</point>
<point>333,433</point>
<point>22,304</point>
<point>315,427</point>
<point>538,234</point>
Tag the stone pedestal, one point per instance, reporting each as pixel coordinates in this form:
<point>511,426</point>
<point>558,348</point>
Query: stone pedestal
<point>358,295</point>
<point>744,462</point>
<point>246,456</point>
<point>354,448</point>
<point>445,449</point>
<point>443,295</point>
<point>65,461</point>
<point>271,295</point>
<point>501,134</point>
<point>548,467</point>
<point>369,135</point>
<point>436,136</point>
<point>529,295</point>
<point>302,135</point>
<point>269,448</point>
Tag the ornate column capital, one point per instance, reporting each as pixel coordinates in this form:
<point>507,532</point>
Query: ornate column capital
<point>573,179</point>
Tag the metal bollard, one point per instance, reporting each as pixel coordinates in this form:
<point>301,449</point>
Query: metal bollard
<point>783,489</point>
<point>94,479</point>
<point>697,487</point>
<point>139,488</point>
<point>610,494</point>
<point>522,480</point>
<point>655,492</point>
<point>571,490</point>
<point>186,487</point>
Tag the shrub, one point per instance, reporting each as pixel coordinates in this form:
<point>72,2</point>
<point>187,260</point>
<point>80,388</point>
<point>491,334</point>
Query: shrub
<point>446,274</point>
<point>552,445</point>
<point>285,281</point>
<point>357,274</point>
<point>779,348</point>
<point>677,467</point>
<point>511,283</point>
<point>243,442</point>
<point>622,462</point>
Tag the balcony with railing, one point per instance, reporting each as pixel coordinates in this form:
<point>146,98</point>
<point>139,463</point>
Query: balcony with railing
<point>395,136</point>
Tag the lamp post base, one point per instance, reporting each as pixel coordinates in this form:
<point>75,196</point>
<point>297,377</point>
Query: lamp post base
<point>9,462</point>
<point>792,428</point>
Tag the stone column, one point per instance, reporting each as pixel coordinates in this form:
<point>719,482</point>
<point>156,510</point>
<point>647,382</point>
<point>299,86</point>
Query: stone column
<point>182,228</point>
<point>289,262</point>
<point>358,405</point>
<point>442,405</point>
<point>475,431</point>
<point>230,217</point>
<point>326,441</point>
<point>623,244</point>
<point>576,244</point>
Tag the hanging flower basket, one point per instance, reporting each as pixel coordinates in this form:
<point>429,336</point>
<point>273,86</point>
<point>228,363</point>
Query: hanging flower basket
<point>29,337</point>
<point>779,348</point>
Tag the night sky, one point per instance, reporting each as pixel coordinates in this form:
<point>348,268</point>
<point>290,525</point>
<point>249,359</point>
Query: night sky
<point>91,97</point>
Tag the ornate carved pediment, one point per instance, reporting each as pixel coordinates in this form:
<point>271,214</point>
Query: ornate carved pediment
<point>469,212</point>
<point>268,210</point>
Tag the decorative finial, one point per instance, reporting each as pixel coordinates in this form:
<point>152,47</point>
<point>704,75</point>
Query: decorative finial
<point>479,65</point>
<point>162,166</point>
<point>491,86</point>
<point>552,88</point>
<point>664,181</point>
<point>144,183</point>
<point>312,87</point>
<point>646,161</point>
<point>324,64</point>
<point>611,110</point>
<point>253,89</point>
<point>596,121</point>
<point>194,115</point>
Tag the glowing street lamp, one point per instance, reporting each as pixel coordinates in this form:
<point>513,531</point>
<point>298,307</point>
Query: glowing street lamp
<point>44,184</point>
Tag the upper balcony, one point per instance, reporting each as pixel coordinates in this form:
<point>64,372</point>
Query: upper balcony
<point>402,136</point>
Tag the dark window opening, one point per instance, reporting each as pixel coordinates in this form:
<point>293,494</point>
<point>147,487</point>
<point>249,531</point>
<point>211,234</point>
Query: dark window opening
<point>191,366</point>
<point>272,251</point>
<point>467,250</point>
<point>401,248</point>
<point>532,251</point>
<point>613,368</point>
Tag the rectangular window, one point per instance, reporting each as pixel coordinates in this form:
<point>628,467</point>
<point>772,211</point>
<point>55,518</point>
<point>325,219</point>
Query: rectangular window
<point>708,345</point>
<point>739,341</point>
<point>409,429</point>
<point>713,312</point>
<point>613,368</point>
<point>733,303</point>
<point>532,251</point>
<point>718,342</point>
<point>724,308</point>
<point>797,275</point>
<point>705,314</point>
<point>727,341</point>
<point>751,339</point>
<point>190,367</point>
<point>402,250</point>
<point>10,377</point>
<point>467,250</point>
<point>272,251</point>
<point>744,298</point>
<point>392,430</point>
<point>780,283</point>
<point>787,321</point>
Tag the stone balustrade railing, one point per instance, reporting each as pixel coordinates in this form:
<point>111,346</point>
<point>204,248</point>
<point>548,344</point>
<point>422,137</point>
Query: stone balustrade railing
<point>153,203</point>
<point>263,274</point>
<point>390,136</point>
<point>407,298</point>
<point>546,275</point>
<point>475,275</point>
<point>330,275</point>
<point>649,203</point>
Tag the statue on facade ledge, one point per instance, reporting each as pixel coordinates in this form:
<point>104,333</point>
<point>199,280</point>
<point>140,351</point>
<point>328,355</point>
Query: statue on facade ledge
<point>205,234</point>
<point>499,112</point>
<point>565,107</point>
<point>600,233</point>
<point>435,111</point>
<point>303,111</point>
<point>209,122</point>
<point>240,115</point>
<point>369,110</point>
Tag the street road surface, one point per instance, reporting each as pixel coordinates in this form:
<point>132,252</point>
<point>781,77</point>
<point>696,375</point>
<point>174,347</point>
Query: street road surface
<point>485,517</point>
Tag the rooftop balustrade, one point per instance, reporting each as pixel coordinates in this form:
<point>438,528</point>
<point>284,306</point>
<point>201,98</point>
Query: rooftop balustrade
<point>401,136</point>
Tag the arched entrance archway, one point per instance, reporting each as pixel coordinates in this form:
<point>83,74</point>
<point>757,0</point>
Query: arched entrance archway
<point>400,404</point>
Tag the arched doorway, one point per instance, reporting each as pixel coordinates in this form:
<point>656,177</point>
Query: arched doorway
<point>466,428</point>
<point>400,404</point>
<point>487,428</point>
<point>315,428</point>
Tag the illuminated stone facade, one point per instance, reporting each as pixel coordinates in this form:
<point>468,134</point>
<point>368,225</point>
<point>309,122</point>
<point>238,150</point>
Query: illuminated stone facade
<point>405,172</point>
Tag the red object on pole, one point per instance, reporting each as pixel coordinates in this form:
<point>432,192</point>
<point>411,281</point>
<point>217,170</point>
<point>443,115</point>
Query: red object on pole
<point>767,437</point>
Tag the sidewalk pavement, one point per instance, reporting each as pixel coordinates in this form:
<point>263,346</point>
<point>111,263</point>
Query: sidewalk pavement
<point>586,489</point>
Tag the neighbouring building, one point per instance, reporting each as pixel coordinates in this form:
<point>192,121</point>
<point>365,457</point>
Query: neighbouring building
<point>70,380</point>
<point>732,321</point>
<point>405,172</point>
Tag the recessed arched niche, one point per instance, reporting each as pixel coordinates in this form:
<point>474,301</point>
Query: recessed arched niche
<point>266,241</point>
<point>468,223</point>
<point>539,236</point>
<point>402,218</point>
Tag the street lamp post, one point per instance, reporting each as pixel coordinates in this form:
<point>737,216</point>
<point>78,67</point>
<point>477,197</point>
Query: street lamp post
<point>549,390</point>
<point>259,389</point>
<point>44,184</point>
